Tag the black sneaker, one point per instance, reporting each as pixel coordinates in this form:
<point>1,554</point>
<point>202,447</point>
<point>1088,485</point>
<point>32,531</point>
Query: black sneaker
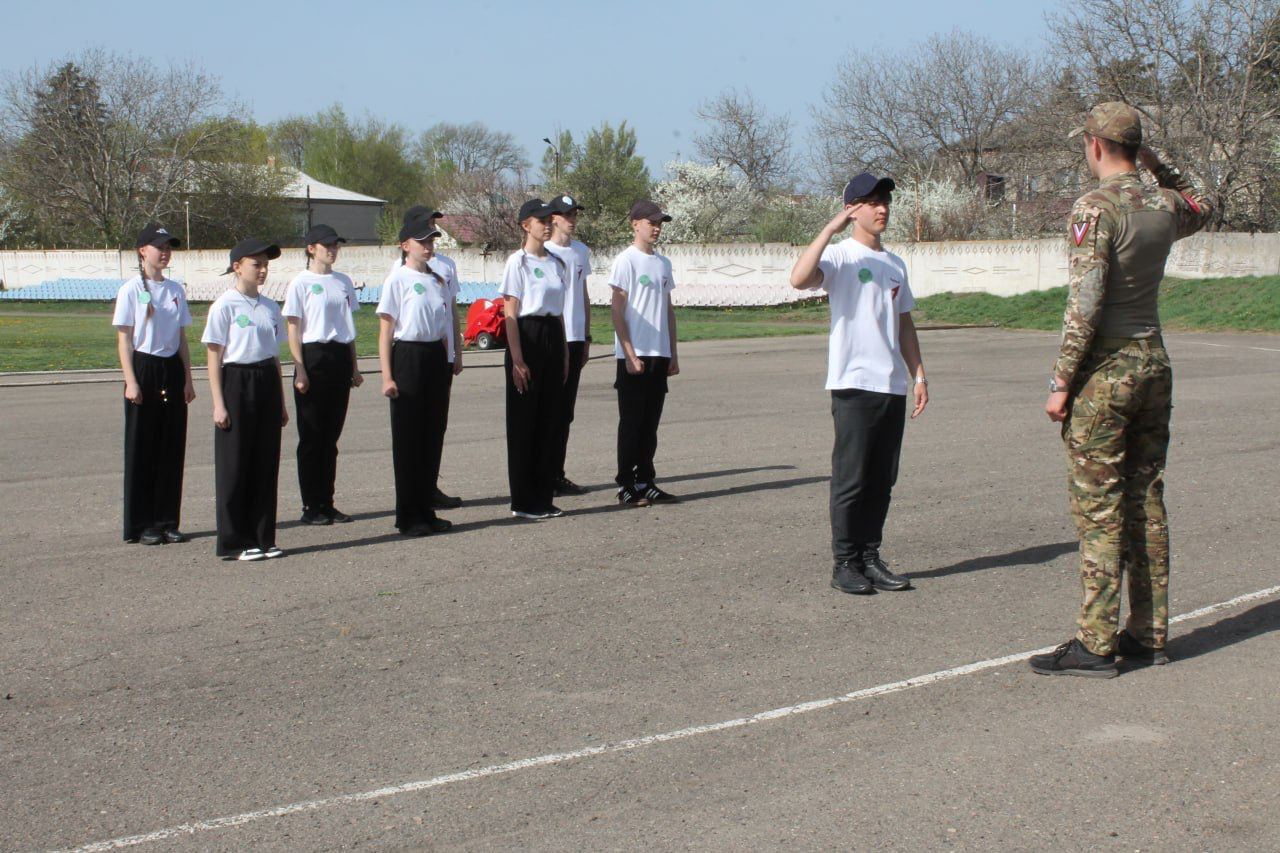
<point>552,511</point>
<point>846,577</point>
<point>1072,658</point>
<point>426,528</point>
<point>1135,652</point>
<point>565,486</point>
<point>878,573</point>
<point>440,500</point>
<point>336,515</point>
<point>173,536</point>
<point>628,496</point>
<point>656,496</point>
<point>315,517</point>
<point>151,536</point>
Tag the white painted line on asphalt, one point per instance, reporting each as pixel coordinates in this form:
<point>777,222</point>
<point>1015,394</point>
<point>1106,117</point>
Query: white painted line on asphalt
<point>620,746</point>
<point>1265,349</point>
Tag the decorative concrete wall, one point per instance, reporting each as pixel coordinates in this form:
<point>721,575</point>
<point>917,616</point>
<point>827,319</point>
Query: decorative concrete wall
<point>728,274</point>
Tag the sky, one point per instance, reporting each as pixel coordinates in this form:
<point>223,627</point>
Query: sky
<point>525,68</point>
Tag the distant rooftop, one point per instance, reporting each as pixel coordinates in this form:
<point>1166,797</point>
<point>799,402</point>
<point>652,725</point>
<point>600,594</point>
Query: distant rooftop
<point>320,191</point>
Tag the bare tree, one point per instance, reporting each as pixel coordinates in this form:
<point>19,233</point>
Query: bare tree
<point>741,133</point>
<point>471,148</point>
<point>485,204</point>
<point>96,146</point>
<point>1205,74</point>
<point>942,108</point>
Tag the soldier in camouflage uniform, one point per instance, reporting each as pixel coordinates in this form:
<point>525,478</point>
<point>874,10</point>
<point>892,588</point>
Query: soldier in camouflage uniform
<point>1112,389</point>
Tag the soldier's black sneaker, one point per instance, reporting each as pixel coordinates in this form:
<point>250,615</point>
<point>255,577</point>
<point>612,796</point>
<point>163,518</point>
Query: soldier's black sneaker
<point>1072,658</point>
<point>336,515</point>
<point>629,496</point>
<point>878,573</point>
<point>655,495</point>
<point>440,500</point>
<point>315,517</point>
<point>846,577</point>
<point>565,486</point>
<point>1135,652</point>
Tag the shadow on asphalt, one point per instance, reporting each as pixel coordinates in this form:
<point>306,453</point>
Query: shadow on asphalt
<point>1254,622</point>
<point>1023,557</point>
<point>505,520</point>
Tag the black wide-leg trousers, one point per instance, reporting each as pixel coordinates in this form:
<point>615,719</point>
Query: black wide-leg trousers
<point>321,413</point>
<point>155,446</point>
<point>246,457</point>
<point>418,415</point>
<point>577,360</point>
<point>534,418</point>
<point>640,400</point>
<point>864,466</point>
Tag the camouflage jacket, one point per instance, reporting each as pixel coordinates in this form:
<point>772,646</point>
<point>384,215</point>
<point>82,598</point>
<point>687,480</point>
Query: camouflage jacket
<point>1118,240</point>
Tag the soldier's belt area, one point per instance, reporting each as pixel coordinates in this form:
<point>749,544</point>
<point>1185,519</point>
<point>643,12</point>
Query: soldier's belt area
<point>1109,345</point>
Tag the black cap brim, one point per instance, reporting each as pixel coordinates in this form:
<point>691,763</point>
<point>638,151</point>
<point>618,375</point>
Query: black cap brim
<point>162,242</point>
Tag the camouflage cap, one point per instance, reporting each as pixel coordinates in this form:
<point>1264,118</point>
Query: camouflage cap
<point>1113,120</point>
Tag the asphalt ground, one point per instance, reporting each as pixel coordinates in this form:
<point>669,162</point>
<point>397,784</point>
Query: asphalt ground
<point>589,681</point>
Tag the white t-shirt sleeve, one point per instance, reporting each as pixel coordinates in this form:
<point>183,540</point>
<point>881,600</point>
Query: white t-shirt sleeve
<point>389,301</point>
<point>669,280</point>
<point>278,321</point>
<point>353,299</point>
<point>512,280</point>
<point>827,265</point>
<point>216,326</point>
<point>184,310</point>
<point>906,299</point>
<point>293,300</point>
<point>621,275</point>
<point>125,315</point>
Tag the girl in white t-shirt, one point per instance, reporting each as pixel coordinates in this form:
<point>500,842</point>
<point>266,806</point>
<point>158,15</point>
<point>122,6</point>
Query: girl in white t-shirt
<point>415,314</point>
<point>319,306</point>
<point>537,364</point>
<point>243,334</point>
<point>150,316</point>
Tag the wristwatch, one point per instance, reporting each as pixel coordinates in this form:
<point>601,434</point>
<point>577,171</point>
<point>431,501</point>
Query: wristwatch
<point>1054,387</point>
<point>920,380</point>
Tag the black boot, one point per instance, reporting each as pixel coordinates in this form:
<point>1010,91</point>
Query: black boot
<point>846,577</point>
<point>1072,658</point>
<point>1135,652</point>
<point>878,573</point>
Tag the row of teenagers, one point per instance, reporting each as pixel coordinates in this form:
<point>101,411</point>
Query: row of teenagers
<point>544,288</point>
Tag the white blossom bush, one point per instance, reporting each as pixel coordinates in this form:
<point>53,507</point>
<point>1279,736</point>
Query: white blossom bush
<point>707,203</point>
<point>934,209</point>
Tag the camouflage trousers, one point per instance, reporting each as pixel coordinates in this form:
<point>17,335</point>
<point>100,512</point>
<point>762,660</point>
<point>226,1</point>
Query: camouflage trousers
<point>1117,439</point>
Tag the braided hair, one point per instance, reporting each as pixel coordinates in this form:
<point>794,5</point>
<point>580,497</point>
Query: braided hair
<point>404,258</point>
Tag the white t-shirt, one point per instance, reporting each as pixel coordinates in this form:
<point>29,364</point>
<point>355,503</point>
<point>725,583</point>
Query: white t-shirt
<point>248,329</point>
<point>536,282</point>
<point>157,331</point>
<point>577,260</point>
<point>869,291</point>
<point>419,304</point>
<point>647,281</point>
<point>448,270</point>
<point>323,304</point>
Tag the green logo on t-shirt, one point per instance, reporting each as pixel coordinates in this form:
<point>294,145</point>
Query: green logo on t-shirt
<point>418,288</point>
<point>317,288</point>
<point>144,297</point>
<point>864,275</point>
<point>644,279</point>
<point>537,271</point>
<point>242,320</point>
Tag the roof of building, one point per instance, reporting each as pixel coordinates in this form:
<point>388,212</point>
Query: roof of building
<point>320,191</point>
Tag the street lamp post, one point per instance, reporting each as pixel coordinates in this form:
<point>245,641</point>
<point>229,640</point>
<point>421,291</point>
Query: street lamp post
<point>555,151</point>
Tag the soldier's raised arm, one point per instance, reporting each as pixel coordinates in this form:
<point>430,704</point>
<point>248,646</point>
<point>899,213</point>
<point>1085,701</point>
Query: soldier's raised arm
<point>1089,234</point>
<point>1193,204</point>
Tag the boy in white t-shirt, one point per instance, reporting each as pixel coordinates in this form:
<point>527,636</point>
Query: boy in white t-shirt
<point>577,319</point>
<point>644,324</point>
<point>873,349</point>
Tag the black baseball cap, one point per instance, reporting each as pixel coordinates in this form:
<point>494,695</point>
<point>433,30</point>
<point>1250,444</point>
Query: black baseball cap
<point>252,246</point>
<point>534,207</point>
<point>322,234</point>
<point>867,185</point>
<point>156,235</point>
<point>421,211</point>
<point>564,204</point>
<point>419,229</point>
<point>648,210</point>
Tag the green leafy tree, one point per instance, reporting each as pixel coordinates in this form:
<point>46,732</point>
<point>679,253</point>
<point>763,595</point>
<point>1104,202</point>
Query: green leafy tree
<point>607,177</point>
<point>368,156</point>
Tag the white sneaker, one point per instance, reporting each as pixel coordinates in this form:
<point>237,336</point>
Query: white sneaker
<point>249,555</point>
<point>273,552</point>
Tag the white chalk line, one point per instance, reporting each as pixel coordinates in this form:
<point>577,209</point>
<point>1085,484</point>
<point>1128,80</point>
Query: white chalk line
<point>620,746</point>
